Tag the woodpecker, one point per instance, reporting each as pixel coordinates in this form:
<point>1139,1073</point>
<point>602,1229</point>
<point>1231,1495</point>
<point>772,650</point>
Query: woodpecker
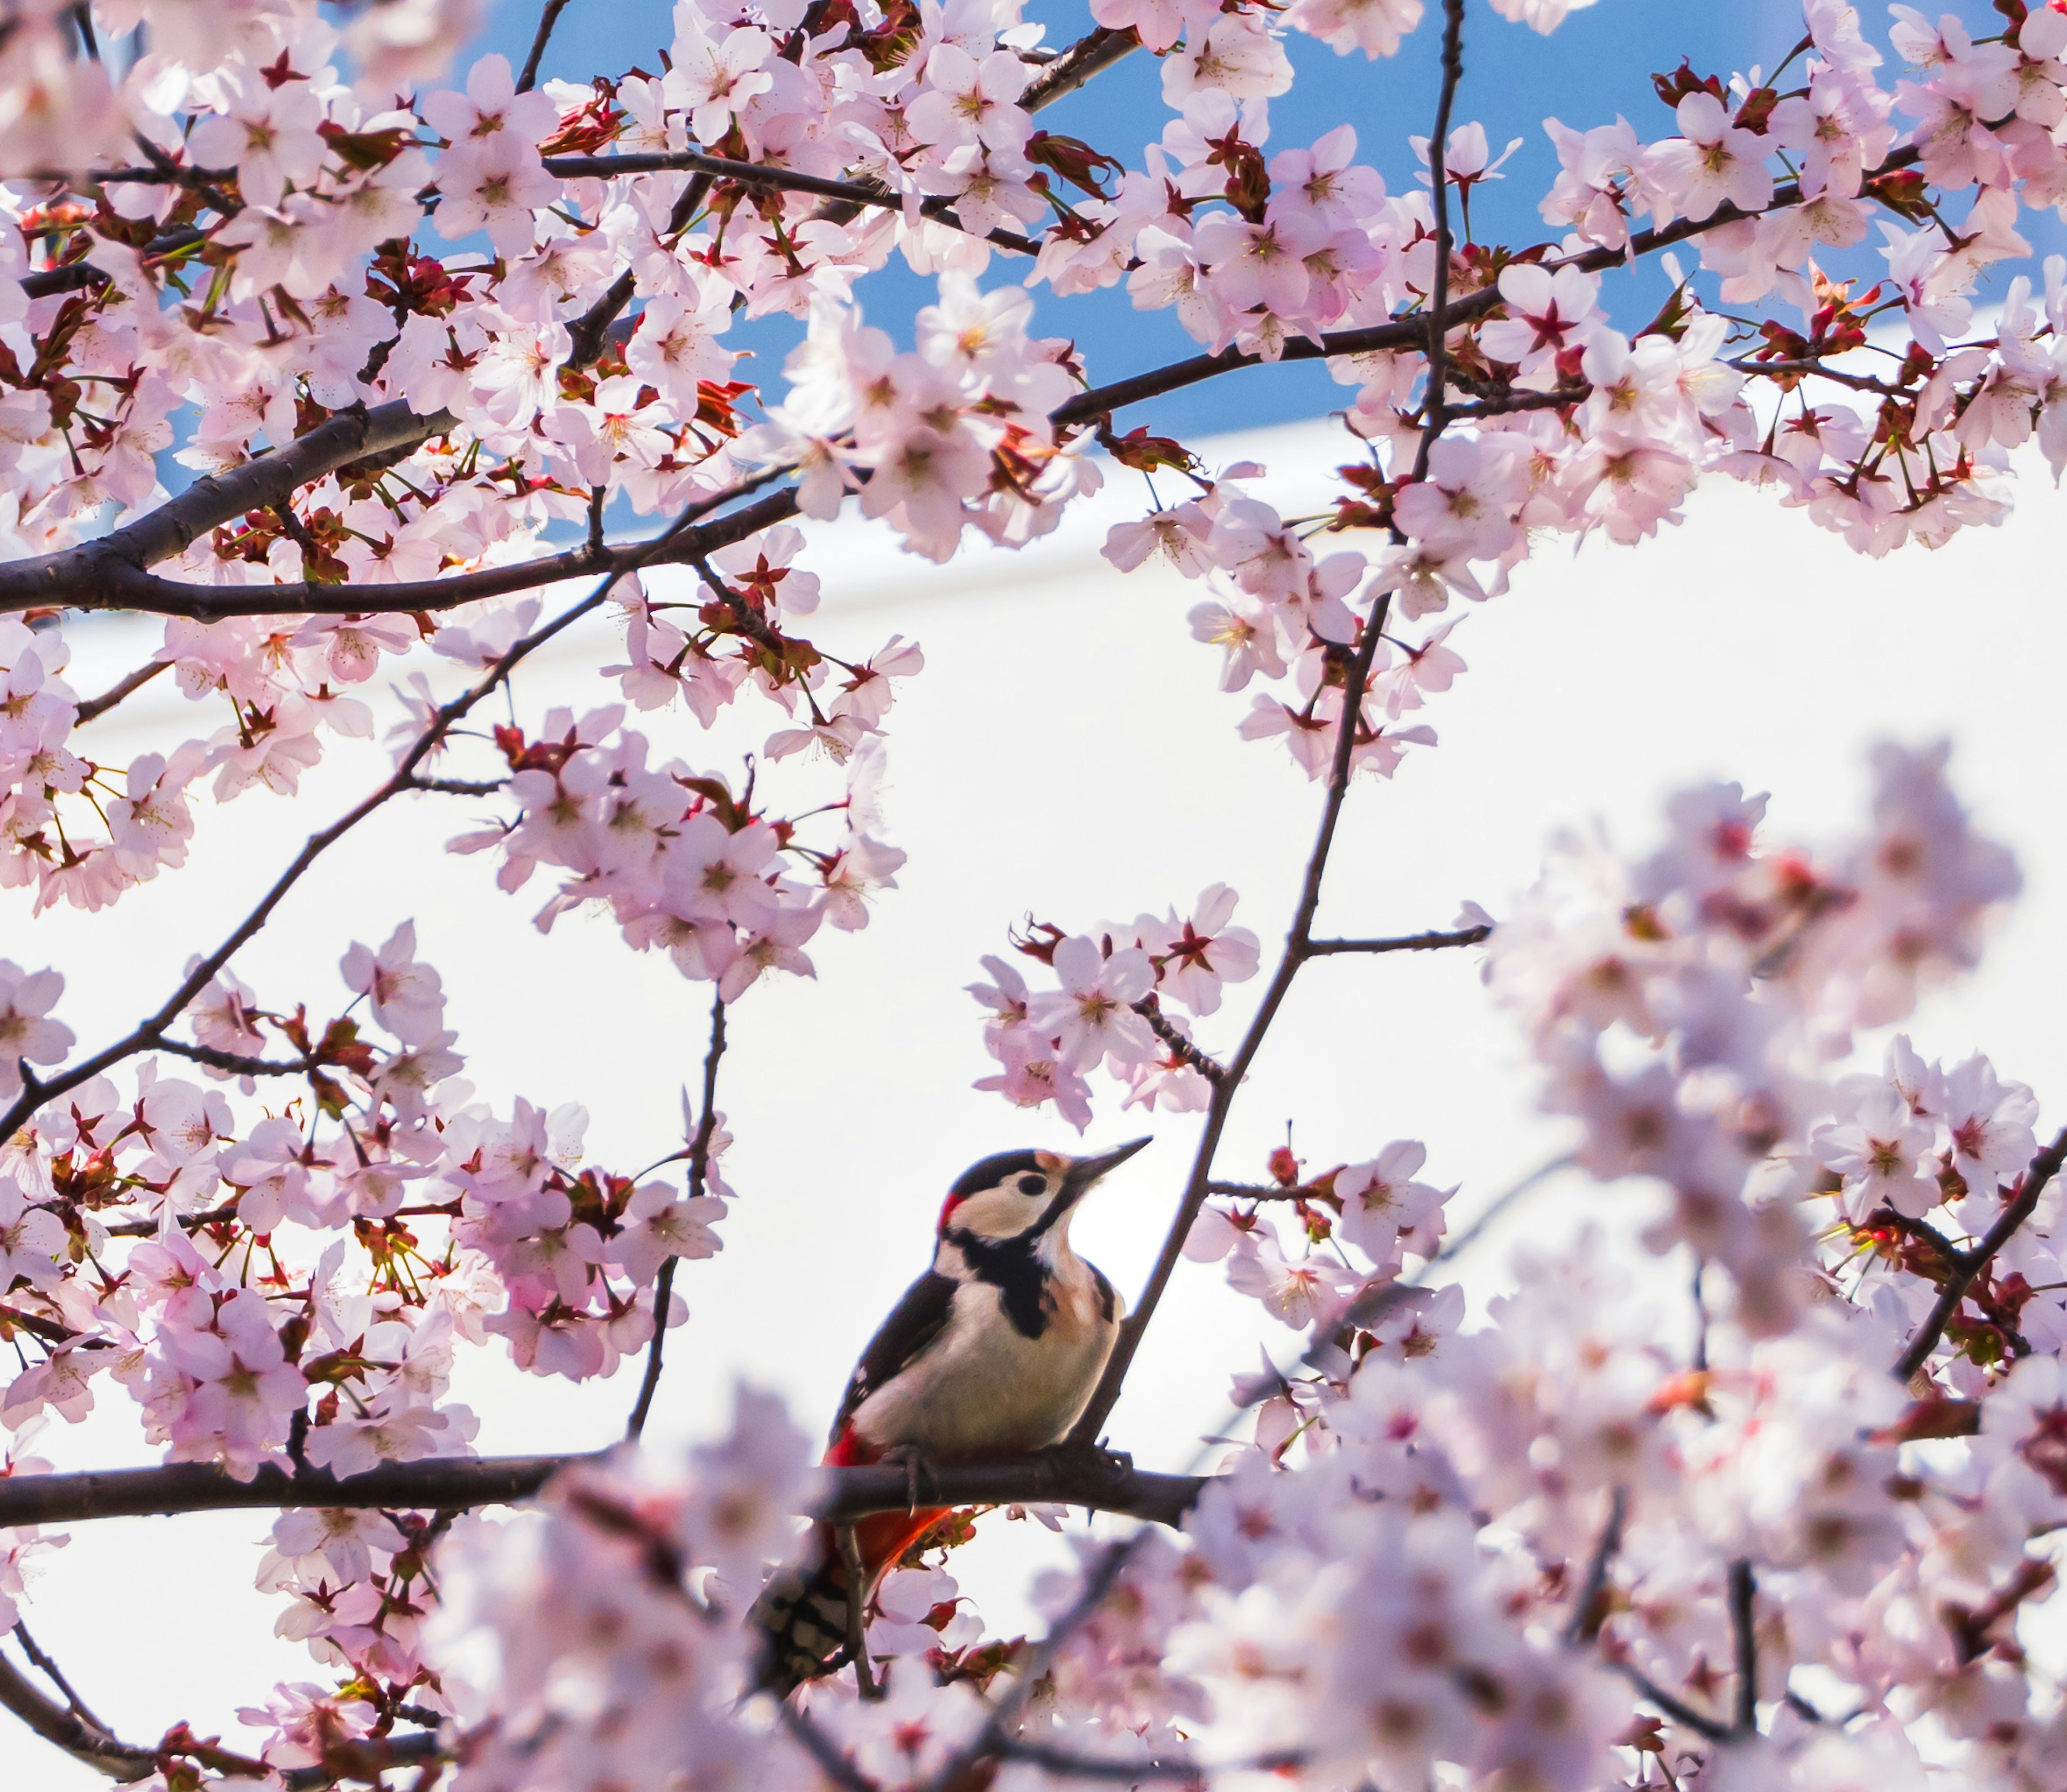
<point>993,1352</point>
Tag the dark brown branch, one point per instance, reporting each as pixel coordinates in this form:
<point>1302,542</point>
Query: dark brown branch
<point>121,585</point>
<point>1589,1611</point>
<point>68,1730</point>
<point>1180,1047</point>
<point>121,688</point>
<point>235,1063</point>
<point>1967,1264</point>
<point>1970,1628</point>
<point>51,1672</point>
<point>548,17</point>
<point>76,276</point>
<point>663,1286</point>
<point>118,558</point>
<point>1405,943</point>
<point>1090,54</point>
<point>1412,331</point>
<point>459,787</point>
<point>86,1740</point>
<point>1743,1638</point>
<point>1506,403</point>
<point>760,174</point>
<point>1356,676</point>
<point>1677,1710</point>
<point>1097,1482</point>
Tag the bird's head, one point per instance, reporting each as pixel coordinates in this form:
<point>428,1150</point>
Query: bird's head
<point>1016,1194</point>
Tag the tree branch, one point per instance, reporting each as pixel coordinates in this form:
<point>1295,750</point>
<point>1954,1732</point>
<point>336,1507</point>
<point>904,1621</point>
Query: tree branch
<point>116,692</point>
<point>547,19</point>
<point>1590,1610</point>
<point>663,1286</point>
<point>1677,1710</point>
<point>1967,1264</point>
<point>70,1732</point>
<point>1090,54</point>
<point>1356,676</point>
<point>760,174</point>
<point>1412,330</point>
<point>59,578</point>
<point>1743,1637</point>
<point>118,584</point>
<point>1405,943</point>
<point>235,1062</point>
<point>1097,1482</point>
<point>1180,1047</point>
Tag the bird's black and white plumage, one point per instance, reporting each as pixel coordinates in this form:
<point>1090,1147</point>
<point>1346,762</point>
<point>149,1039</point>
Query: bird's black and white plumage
<point>993,1352</point>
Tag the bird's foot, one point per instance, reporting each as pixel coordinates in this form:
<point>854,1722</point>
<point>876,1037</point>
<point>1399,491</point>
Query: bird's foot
<point>912,1460</point>
<point>1103,1465</point>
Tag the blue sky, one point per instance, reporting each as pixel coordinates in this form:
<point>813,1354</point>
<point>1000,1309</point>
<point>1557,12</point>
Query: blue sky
<point>1597,64</point>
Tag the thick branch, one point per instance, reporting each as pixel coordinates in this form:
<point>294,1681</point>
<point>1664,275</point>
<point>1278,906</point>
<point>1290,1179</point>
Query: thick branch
<point>118,584</point>
<point>1967,1264</point>
<point>1099,1483</point>
<point>63,577</point>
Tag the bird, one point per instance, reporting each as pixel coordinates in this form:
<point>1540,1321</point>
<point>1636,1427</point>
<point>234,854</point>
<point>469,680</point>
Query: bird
<point>994,1352</point>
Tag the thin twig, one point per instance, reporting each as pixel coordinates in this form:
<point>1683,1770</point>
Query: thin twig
<point>663,1286</point>
<point>235,1063</point>
<point>116,692</point>
<point>1590,1611</point>
<point>785,179</point>
<point>51,1672</point>
<point>857,1612</point>
<point>1405,943</point>
<point>1180,1047</point>
<point>1677,1710</point>
<point>548,17</point>
<point>1456,1246</point>
<point>1086,1429</point>
<point>1967,1264</point>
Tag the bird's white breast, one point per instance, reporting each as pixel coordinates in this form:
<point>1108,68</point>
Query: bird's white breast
<point>984,1386</point>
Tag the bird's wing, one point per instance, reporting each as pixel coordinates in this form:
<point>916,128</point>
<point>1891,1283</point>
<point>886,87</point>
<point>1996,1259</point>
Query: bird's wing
<point>917,1319</point>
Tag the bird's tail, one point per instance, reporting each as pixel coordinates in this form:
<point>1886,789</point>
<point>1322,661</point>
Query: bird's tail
<point>803,1614</point>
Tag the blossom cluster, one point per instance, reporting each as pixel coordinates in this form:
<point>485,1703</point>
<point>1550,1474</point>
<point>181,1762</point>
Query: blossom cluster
<point>287,1282</point>
<point>1108,1009</point>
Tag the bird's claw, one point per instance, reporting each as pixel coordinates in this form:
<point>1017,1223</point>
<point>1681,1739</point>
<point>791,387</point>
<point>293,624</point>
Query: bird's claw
<point>912,1460</point>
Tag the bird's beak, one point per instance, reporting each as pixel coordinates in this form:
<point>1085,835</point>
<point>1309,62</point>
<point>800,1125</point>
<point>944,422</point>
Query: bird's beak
<point>1084,1173</point>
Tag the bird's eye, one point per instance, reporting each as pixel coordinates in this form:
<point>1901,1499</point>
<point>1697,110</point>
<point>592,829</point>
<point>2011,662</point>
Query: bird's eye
<point>1032,1185</point>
